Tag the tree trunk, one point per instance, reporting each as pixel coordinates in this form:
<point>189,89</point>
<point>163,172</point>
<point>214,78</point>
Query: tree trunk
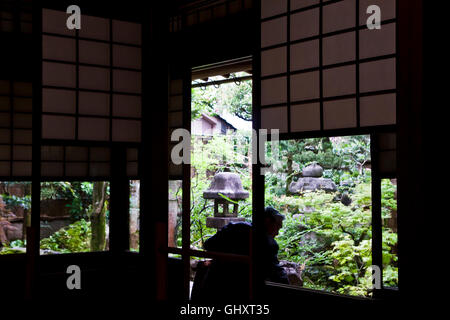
<point>289,172</point>
<point>98,218</point>
<point>3,239</point>
<point>25,224</point>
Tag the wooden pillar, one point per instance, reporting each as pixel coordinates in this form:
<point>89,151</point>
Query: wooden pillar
<point>119,235</point>
<point>410,145</point>
<point>154,160</point>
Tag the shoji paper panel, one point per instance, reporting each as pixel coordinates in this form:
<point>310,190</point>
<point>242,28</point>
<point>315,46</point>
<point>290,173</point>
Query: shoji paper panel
<point>387,153</point>
<point>132,162</point>
<point>273,61</point>
<point>298,4</point>
<point>94,103</point>
<point>127,106</point>
<point>96,94</point>
<point>304,24</point>
<point>377,75</point>
<point>339,81</point>
<point>58,48</point>
<point>92,52</point>
<point>378,43</point>
<point>305,86</point>
<point>274,32</point>
<point>58,127</point>
<point>59,101</point>
<point>16,107</point>
<point>305,117</point>
<point>75,161</point>
<point>339,16</point>
<point>273,91</point>
<point>15,16</point>
<point>93,129</point>
<point>378,109</point>
<point>126,130</point>
<point>304,55</point>
<point>339,48</point>
<point>388,9</point>
<point>95,28</point>
<point>323,69</point>
<point>274,118</point>
<point>270,8</point>
<point>339,114</point>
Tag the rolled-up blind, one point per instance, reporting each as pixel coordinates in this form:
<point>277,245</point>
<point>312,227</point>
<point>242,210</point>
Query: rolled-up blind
<point>16,107</point>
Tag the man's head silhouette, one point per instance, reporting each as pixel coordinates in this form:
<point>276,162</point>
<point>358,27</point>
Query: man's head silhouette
<point>273,221</point>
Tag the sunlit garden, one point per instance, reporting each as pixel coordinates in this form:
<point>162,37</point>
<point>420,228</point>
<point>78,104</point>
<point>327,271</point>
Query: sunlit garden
<point>74,216</point>
<point>321,185</point>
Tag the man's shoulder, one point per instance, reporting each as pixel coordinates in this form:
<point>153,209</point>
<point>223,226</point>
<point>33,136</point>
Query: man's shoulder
<point>240,224</point>
<point>237,226</point>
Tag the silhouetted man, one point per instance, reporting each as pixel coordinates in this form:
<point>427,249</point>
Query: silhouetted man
<point>228,281</point>
<point>273,222</point>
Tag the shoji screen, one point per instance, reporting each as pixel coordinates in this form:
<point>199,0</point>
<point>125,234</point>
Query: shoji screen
<point>323,69</point>
<point>75,161</point>
<point>15,16</point>
<point>387,154</point>
<point>91,79</point>
<point>175,121</point>
<point>15,128</point>
<point>83,161</point>
<point>132,163</point>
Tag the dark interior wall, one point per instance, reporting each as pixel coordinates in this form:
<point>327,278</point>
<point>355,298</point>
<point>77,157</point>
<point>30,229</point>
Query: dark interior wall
<point>15,61</point>
<point>216,41</point>
<point>103,275</point>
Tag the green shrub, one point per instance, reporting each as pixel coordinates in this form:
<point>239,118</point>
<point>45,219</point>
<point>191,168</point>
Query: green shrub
<point>334,241</point>
<point>73,238</point>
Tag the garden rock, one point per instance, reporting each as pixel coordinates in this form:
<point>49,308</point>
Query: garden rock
<point>346,200</point>
<point>293,271</point>
<point>312,239</point>
<point>313,170</point>
<point>312,184</point>
<point>14,232</point>
<point>312,180</point>
<point>307,210</point>
<point>48,251</point>
<point>50,227</point>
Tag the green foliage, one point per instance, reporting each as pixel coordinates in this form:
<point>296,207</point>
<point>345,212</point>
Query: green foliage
<point>203,100</point>
<point>73,238</point>
<point>239,98</point>
<point>10,250</point>
<point>343,160</point>
<point>236,99</point>
<point>76,209</point>
<point>388,202</point>
<point>216,154</point>
<point>14,247</point>
<point>56,190</point>
<point>80,194</point>
<point>13,201</point>
<point>332,240</point>
<point>18,244</point>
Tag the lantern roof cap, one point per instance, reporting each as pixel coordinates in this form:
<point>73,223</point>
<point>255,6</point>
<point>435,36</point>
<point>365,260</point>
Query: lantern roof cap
<point>228,184</point>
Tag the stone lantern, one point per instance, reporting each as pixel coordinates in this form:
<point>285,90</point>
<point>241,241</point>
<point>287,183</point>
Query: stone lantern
<point>312,180</point>
<point>228,184</point>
